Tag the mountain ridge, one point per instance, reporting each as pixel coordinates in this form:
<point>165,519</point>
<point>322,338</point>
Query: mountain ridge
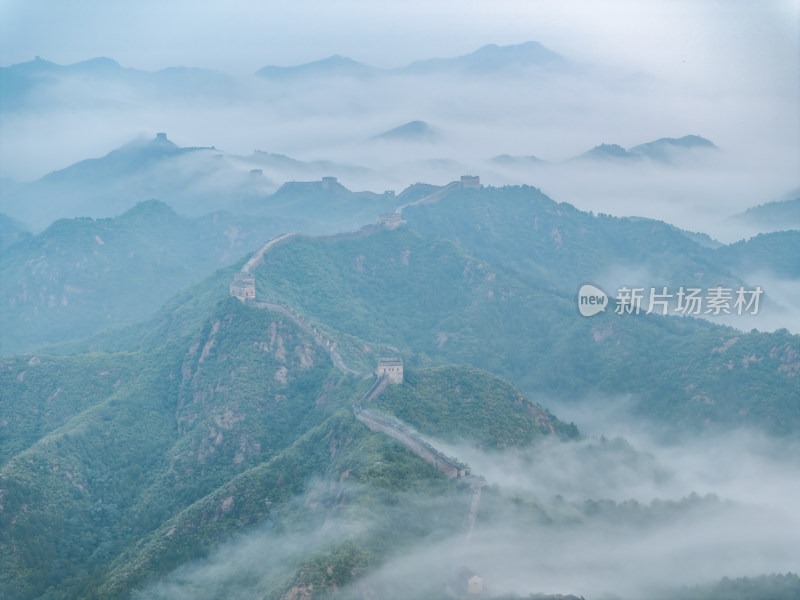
<point>22,81</point>
<point>332,66</point>
<point>80,276</point>
<point>228,426</point>
<point>663,150</point>
<point>191,486</point>
<point>486,59</point>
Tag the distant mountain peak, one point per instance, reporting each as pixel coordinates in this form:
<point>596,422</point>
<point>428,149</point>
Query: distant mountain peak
<point>149,208</point>
<point>133,156</point>
<point>525,52</point>
<point>337,59</point>
<point>413,131</point>
<point>335,65</point>
<point>494,58</point>
<point>607,152</point>
<point>486,59</point>
<point>510,160</point>
<point>665,149</point>
<point>102,62</point>
<point>39,65</point>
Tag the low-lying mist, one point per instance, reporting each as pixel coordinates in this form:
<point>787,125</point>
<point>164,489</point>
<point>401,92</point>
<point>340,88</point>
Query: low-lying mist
<point>606,516</point>
<point>554,116</point>
<point>310,537</point>
<point>598,517</point>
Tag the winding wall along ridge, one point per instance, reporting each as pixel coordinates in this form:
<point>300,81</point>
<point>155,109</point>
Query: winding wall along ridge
<point>325,344</point>
<point>373,421</point>
<point>411,441</point>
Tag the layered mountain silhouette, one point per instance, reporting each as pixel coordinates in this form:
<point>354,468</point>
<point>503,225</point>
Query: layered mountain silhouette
<point>773,216</point>
<point>26,85</point>
<point>104,83</point>
<point>510,160</point>
<point>663,150</point>
<point>191,179</point>
<point>198,180</point>
<point>134,157</point>
<point>492,59</point>
<point>333,66</point>
<point>488,59</point>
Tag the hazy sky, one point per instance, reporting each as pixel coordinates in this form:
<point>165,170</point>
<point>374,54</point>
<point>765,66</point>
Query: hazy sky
<point>697,39</point>
<point>724,69</point>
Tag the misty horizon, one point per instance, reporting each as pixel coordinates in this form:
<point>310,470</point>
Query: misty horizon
<point>563,109</point>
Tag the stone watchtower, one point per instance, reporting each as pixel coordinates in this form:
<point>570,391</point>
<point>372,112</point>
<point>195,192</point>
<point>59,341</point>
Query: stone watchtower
<point>392,368</point>
<point>243,286</point>
<point>470,182</point>
<point>390,220</point>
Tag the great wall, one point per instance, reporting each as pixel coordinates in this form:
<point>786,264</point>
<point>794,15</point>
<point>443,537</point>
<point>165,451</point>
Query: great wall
<point>395,430</point>
<point>243,285</point>
<point>390,371</point>
<point>394,220</point>
<point>300,321</point>
<point>413,442</point>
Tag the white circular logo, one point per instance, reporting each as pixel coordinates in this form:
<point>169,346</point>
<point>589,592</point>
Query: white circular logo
<point>591,300</point>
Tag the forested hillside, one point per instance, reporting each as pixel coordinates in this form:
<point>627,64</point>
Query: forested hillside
<point>81,276</point>
<point>429,298</point>
<point>118,468</point>
<point>139,460</point>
